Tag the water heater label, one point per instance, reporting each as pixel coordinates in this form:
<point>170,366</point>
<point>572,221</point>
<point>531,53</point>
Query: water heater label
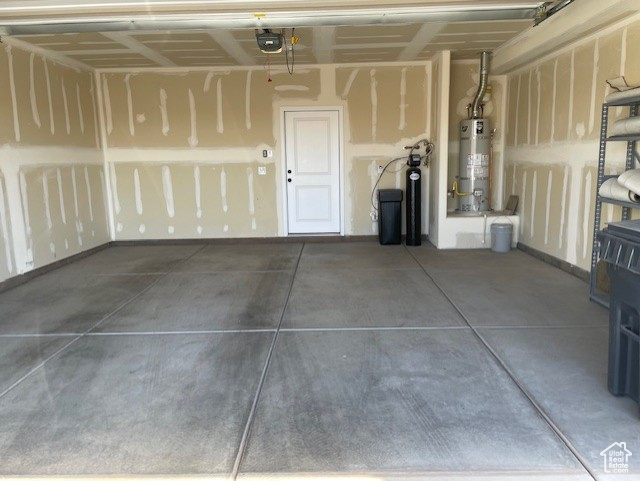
<point>478,160</point>
<point>479,127</point>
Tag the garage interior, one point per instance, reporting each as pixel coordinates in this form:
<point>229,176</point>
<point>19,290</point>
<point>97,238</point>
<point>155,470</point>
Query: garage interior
<point>191,283</point>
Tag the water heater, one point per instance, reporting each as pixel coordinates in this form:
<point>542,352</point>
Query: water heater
<point>474,174</point>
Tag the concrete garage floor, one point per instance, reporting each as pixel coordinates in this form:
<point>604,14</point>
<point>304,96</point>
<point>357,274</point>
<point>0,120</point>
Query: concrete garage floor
<point>308,361</point>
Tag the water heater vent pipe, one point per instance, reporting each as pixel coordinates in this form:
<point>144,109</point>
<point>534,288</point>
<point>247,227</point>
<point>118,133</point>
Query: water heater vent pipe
<point>482,87</point>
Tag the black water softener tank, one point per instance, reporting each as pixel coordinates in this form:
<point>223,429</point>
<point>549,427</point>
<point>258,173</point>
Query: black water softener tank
<point>413,201</point>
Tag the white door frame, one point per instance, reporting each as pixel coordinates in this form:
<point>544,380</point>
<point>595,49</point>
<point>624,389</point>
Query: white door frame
<point>283,161</point>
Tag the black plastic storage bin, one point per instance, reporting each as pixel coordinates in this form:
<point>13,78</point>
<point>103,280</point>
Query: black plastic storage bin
<point>389,216</point>
<point>620,249</point>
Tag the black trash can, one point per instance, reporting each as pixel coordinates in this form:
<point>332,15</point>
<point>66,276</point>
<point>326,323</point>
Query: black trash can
<point>620,249</point>
<point>389,216</point>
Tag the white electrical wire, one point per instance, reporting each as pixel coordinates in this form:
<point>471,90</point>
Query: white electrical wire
<point>373,191</point>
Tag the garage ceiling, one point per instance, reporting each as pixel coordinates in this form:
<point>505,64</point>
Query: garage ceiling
<point>165,33</point>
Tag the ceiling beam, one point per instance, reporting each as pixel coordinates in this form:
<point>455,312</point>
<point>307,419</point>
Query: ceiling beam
<point>478,11</point>
<point>420,40</point>
<point>229,44</point>
<point>323,44</point>
<point>50,54</point>
<point>138,47</point>
<point>568,25</point>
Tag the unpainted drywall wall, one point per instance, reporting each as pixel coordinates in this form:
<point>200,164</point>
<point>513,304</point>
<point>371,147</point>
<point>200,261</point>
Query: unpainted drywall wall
<point>51,181</point>
<point>553,129</point>
<point>184,147</point>
<point>465,77</point>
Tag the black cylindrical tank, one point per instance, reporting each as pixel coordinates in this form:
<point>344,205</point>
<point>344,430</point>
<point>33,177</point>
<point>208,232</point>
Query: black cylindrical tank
<point>413,206</point>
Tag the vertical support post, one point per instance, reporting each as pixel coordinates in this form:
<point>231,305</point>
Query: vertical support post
<point>631,147</point>
<point>598,209</point>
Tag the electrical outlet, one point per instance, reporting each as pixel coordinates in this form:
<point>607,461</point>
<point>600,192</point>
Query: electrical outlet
<point>374,216</point>
<point>262,170</point>
<point>380,169</point>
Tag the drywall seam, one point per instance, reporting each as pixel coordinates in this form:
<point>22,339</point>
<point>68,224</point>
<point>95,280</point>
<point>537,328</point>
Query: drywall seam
<point>52,124</point>
<point>127,83</point>
<point>80,113</point>
<point>65,103</point>
<point>539,84</point>
<point>193,138</point>
<point>529,109</point>
<point>563,205</point>
<point>571,91</point>
<point>553,100</point>
<point>163,112</point>
<point>252,206</point>
<point>247,100</point>
<point>594,85</point>
<point>350,80</point>
<point>402,124</point>
<point>63,210</point>
<point>223,190</point>
<point>586,227</point>
<point>89,196</point>
<point>548,207</point>
<point>4,227</point>
<point>32,92</point>
<point>137,192</point>
<point>167,189</point>
<point>105,170</point>
<point>219,100</point>
<point>14,101</point>
<point>93,90</point>
<point>198,193</point>
<point>374,104</point>
<point>515,141</point>
<point>106,100</point>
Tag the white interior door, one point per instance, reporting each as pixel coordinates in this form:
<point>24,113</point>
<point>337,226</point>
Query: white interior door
<point>312,158</point>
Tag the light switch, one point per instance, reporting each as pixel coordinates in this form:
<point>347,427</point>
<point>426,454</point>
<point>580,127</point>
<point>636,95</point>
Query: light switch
<point>269,153</point>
